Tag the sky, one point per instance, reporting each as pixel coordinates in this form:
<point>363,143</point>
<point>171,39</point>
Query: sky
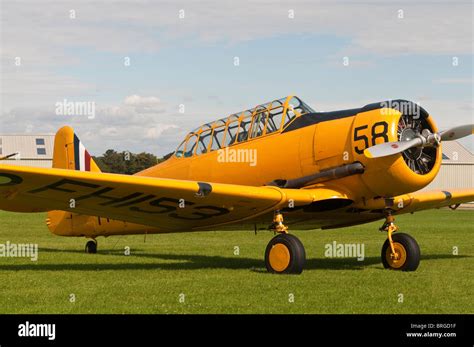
<point>154,70</point>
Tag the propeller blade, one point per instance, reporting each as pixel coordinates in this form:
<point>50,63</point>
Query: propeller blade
<point>428,139</point>
<point>391,148</point>
<point>457,132</point>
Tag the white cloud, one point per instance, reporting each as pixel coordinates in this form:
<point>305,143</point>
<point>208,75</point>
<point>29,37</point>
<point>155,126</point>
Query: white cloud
<point>48,41</point>
<point>120,127</point>
<point>42,33</point>
<point>109,131</point>
<point>144,104</point>
<point>141,26</point>
<point>156,131</point>
<point>137,100</point>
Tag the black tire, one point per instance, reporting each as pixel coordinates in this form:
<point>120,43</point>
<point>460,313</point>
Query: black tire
<point>412,250</point>
<point>297,255</point>
<point>91,247</point>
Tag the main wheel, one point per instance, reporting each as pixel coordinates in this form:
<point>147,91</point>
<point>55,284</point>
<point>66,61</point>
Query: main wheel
<point>407,253</point>
<point>91,246</point>
<point>285,254</point>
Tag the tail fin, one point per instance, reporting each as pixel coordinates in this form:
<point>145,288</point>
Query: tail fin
<point>70,153</point>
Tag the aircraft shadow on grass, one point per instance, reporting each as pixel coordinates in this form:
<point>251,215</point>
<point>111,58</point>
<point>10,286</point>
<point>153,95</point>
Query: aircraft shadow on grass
<point>194,262</point>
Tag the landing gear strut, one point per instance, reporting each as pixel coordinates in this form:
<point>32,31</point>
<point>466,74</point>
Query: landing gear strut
<point>284,253</point>
<point>400,251</point>
<point>91,246</point>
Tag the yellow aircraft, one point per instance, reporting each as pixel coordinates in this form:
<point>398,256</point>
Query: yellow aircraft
<point>247,171</point>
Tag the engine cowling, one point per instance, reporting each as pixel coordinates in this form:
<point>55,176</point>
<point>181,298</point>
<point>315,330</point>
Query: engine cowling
<point>405,172</point>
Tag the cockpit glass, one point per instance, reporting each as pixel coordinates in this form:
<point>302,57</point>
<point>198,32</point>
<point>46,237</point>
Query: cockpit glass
<point>258,124</point>
<point>295,108</point>
<point>244,128</point>
<point>261,120</point>
<point>274,119</point>
<point>180,151</point>
<point>297,105</point>
<point>190,145</point>
<point>206,126</point>
<point>204,141</point>
<point>231,133</point>
<point>217,138</point>
<point>220,122</point>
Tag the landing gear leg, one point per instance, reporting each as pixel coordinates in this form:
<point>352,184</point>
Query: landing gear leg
<point>284,253</point>
<point>400,251</point>
<point>91,246</point>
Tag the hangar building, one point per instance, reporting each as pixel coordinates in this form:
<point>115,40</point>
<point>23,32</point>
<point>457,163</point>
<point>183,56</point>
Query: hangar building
<point>457,168</point>
<point>33,150</point>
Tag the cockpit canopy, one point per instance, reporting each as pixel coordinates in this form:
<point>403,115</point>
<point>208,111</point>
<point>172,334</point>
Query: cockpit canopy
<point>262,120</point>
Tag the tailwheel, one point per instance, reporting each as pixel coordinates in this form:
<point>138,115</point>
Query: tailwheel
<point>405,255</point>
<point>285,254</point>
<point>91,247</point>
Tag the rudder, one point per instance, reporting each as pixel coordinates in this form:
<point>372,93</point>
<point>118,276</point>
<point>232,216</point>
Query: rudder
<point>69,152</point>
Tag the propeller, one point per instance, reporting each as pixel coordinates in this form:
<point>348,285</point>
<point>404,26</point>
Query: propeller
<point>412,139</point>
<point>457,132</point>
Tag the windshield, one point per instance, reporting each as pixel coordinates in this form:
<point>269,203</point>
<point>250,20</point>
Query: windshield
<point>262,120</point>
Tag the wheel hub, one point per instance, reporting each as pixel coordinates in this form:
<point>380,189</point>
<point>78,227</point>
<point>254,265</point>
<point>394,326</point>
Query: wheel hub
<point>279,257</point>
<point>397,258</point>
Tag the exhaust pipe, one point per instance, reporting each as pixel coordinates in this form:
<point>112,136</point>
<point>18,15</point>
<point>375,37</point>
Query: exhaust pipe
<point>322,176</point>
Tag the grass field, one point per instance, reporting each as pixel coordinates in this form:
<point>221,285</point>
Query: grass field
<point>203,267</point>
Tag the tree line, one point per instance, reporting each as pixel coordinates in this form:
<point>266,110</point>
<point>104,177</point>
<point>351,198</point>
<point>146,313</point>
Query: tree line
<point>126,162</point>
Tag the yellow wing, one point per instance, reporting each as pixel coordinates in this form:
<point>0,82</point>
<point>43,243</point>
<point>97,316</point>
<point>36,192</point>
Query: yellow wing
<point>164,203</point>
<point>435,199</point>
<point>423,200</point>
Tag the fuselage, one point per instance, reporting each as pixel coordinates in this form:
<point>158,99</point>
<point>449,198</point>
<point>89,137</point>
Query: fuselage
<point>287,141</point>
<point>312,143</point>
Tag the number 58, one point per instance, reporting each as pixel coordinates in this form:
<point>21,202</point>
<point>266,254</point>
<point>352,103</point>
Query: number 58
<point>379,130</point>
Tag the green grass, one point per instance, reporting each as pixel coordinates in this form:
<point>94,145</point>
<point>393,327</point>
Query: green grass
<point>214,280</point>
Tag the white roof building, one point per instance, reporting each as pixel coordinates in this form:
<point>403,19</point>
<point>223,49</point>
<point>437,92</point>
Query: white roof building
<point>32,149</point>
<point>455,153</point>
<point>457,168</point>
